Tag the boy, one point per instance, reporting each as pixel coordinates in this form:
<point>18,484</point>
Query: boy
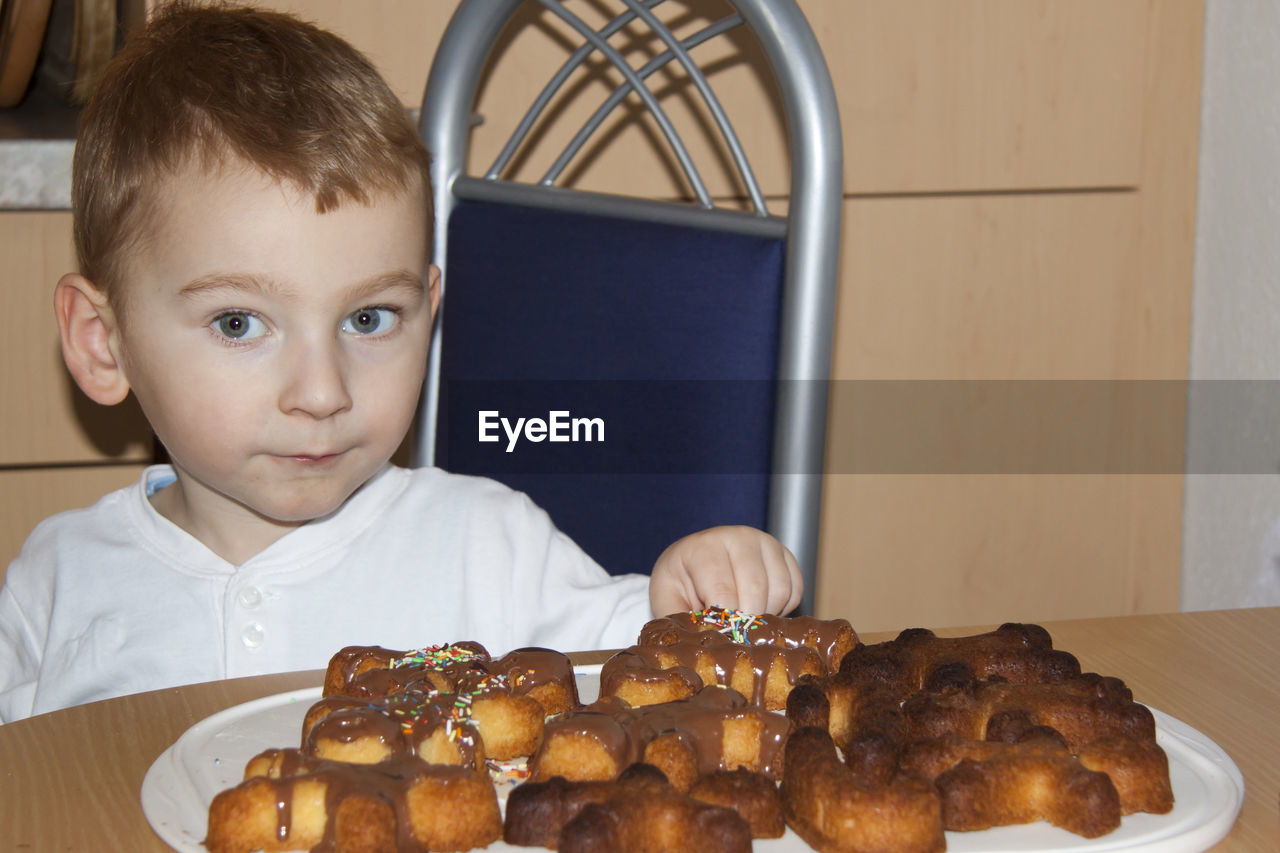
<point>251,219</point>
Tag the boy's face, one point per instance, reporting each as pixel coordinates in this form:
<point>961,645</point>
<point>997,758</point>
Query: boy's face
<point>277,352</point>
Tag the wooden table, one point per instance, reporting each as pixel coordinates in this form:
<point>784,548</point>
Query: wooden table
<point>70,780</point>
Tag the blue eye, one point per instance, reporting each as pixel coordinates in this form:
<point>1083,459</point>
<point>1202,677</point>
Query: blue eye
<point>238,326</point>
<point>369,320</point>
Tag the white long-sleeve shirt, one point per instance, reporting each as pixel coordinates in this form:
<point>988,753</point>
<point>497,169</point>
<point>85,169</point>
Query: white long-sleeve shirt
<point>115,599</point>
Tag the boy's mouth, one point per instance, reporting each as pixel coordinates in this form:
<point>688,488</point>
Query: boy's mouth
<point>313,459</point>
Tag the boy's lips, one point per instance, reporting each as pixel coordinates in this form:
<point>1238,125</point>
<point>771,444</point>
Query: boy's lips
<point>312,458</point>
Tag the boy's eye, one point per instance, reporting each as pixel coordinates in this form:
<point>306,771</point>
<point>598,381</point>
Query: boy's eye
<point>366,321</point>
<point>238,326</point>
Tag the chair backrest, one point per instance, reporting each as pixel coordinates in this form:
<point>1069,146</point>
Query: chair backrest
<point>696,338</point>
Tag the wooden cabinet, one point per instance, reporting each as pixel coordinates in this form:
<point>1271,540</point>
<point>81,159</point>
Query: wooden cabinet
<point>58,449</point>
<point>1050,267</point>
<point>1019,204</point>
<point>47,420</point>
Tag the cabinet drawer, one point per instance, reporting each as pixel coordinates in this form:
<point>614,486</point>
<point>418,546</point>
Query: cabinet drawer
<point>47,418</point>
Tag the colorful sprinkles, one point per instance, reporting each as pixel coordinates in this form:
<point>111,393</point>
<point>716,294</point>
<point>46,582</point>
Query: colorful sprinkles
<point>513,771</point>
<point>410,709</point>
<point>734,623</point>
<point>437,656</point>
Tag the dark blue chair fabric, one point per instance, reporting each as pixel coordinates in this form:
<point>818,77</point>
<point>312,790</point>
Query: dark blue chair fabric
<point>668,336</point>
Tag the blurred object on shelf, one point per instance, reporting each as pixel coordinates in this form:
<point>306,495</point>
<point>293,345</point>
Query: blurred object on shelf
<point>22,30</point>
<point>81,37</point>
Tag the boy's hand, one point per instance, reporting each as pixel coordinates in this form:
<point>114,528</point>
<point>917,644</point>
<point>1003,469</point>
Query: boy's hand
<point>736,567</point>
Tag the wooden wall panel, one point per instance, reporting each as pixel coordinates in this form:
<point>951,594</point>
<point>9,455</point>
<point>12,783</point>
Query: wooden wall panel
<point>934,96</point>
<point>29,496</point>
<point>398,36</point>
<point>1018,286</point>
<point>47,418</point>
<point>1091,285</point>
<point>937,95</point>
<point>991,287</point>
<point>933,550</point>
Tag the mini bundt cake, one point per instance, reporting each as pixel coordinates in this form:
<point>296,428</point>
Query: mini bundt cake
<point>1082,709</point>
<point>440,728</point>
<point>638,811</point>
<point>918,660</point>
<point>761,657</point>
<point>543,674</point>
<point>834,813</point>
<point>830,638</point>
<point>753,796</point>
<point>1138,769</point>
<point>1016,787</point>
<point>296,802</point>
<point>715,729</point>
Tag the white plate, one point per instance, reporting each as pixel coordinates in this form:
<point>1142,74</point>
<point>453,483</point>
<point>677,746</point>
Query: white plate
<point>210,756</point>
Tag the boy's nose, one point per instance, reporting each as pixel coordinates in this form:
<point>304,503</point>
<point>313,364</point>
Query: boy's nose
<point>317,382</point>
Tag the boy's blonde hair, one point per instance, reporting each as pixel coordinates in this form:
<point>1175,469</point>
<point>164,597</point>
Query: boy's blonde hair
<point>202,85</point>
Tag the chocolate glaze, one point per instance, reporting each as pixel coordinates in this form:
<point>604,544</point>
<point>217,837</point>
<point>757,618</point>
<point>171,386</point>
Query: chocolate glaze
<point>460,667</point>
<point>387,782</point>
<point>401,722</point>
<point>703,626</point>
<point>651,663</point>
<point>624,732</point>
<point>528,668</point>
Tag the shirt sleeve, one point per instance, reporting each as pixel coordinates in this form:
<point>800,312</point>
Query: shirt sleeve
<point>569,601</point>
<point>23,624</point>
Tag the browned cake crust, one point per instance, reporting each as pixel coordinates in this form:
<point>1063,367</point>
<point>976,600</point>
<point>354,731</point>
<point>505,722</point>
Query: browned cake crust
<point>668,822</point>
<point>538,811</point>
<point>752,795</point>
<point>1082,709</point>
<point>1013,787</point>
<point>638,811</point>
<point>918,660</point>
<point>1138,769</point>
<point>833,813</point>
<point>1005,741</point>
<point>761,657</point>
<point>715,729</point>
<point>300,803</point>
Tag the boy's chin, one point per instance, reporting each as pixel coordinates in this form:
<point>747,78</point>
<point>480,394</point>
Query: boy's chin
<point>296,508</point>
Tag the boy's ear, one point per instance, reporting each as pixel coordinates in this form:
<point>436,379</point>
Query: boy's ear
<point>433,288</point>
<point>89,330</point>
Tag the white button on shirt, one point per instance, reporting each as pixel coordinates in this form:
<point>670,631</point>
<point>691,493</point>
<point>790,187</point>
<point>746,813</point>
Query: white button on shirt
<point>253,635</point>
<point>249,597</point>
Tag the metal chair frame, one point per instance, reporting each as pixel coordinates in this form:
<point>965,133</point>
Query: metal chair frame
<point>811,228</point>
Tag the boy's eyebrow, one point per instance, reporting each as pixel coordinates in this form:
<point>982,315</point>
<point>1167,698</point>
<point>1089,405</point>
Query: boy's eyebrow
<point>393,280</point>
<point>226,281</point>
